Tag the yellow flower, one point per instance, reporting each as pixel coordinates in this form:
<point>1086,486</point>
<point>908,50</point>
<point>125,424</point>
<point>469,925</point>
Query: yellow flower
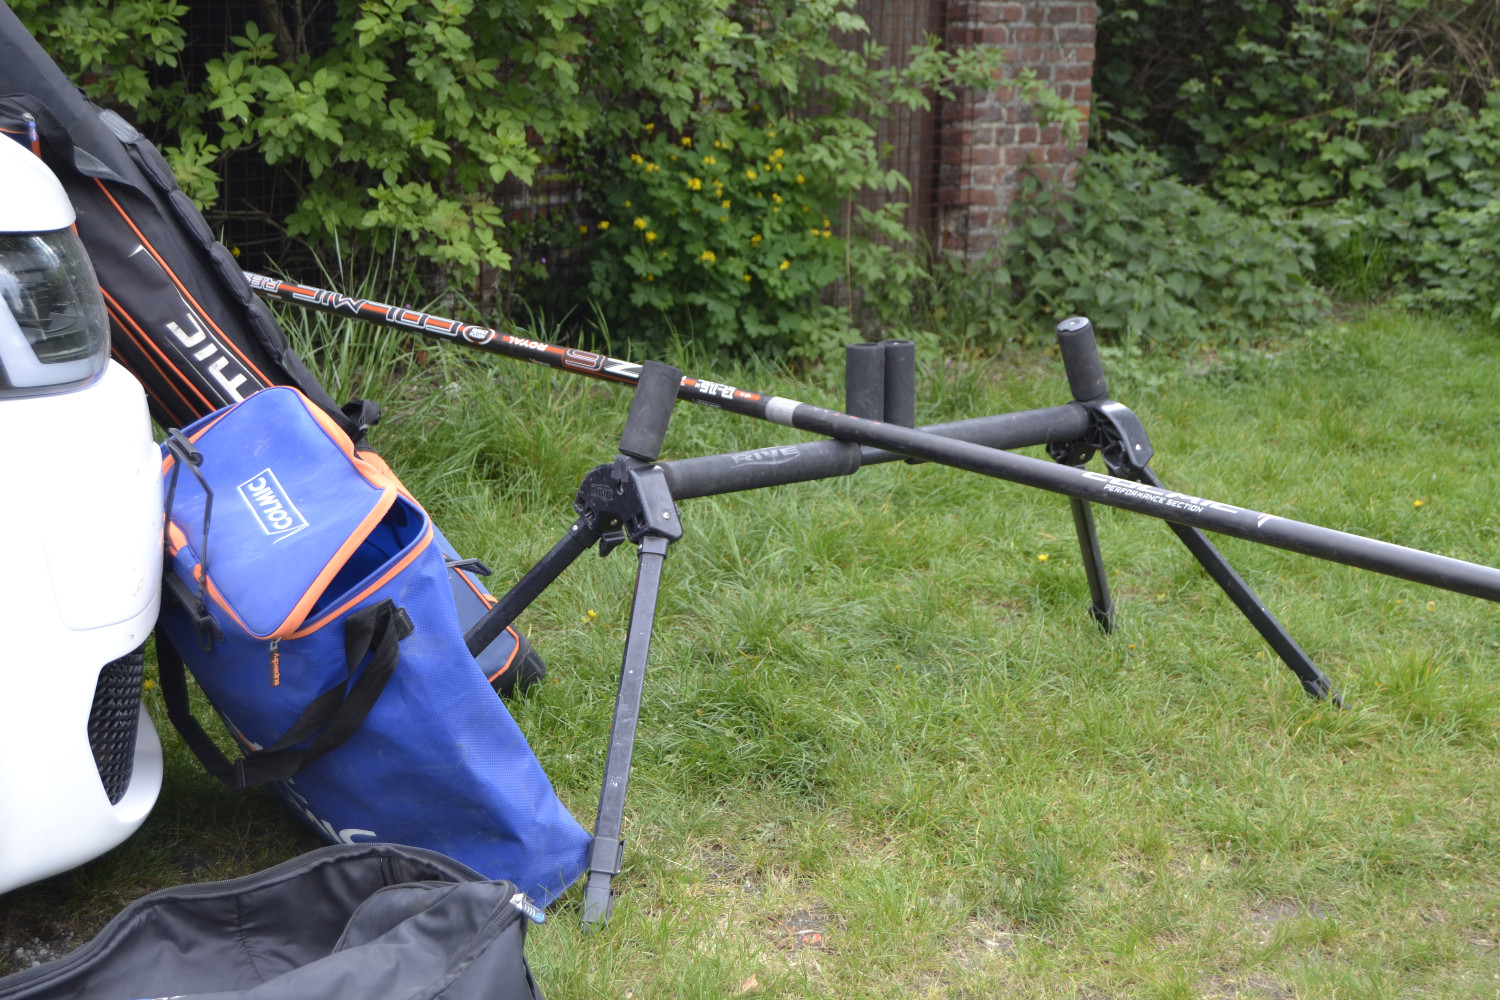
<point>827,233</point>
<point>1041,557</point>
<point>723,218</point>
<point>826,223</point>
<point>650,236</point>
<point>651,167</point>
<point>583,229</point>
<point>755,240</point>
<point>650,277</point>
<point>804,208</point>
<point>776,197</point>
<point>812,232</point>
<point>694,184</point>
<point>776,211</point>
<point>637,158</point>
<point>770,135</point>
<point>707,256</point>
<point>724,203</point>
<point>603,225</point>
<point>801,179</point>
<point>778,167</point>
<point>778,154</point>
<point>746,277</point>
<point>784,265</point>
<point>672,157</point>
<point>627,204</point>
<point>650,126</point>
<point>711,161</point>
<point>686,141</point>
<point>1418,503</point>
<point>236,252</point>
<point>750,174</point>
<point>640,223</point>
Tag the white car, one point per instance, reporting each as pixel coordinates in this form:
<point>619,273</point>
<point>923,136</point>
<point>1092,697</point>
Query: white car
<point>80,548</point>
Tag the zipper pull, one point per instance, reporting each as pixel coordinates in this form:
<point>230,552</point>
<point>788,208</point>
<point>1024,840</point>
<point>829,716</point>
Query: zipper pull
<point>532,912</point>
<point>276,662</point>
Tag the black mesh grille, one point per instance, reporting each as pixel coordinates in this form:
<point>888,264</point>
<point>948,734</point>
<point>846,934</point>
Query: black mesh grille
<point>112,722</point>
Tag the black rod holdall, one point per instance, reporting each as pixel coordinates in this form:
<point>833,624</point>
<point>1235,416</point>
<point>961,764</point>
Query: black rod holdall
<point>343,922</point>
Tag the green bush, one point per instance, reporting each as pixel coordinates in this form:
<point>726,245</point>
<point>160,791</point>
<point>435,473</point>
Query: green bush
<point>1372,122</point>
<point>1433,230</point>
<point>726,218</point>
<point>403,121</point>
<point>1147,257</point>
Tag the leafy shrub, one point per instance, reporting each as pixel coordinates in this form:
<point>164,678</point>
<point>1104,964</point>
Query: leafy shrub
<point>1434,227</point>
<point>398,120</point>
<point>1290,102</point>
<point>1374,122</point>
<point>1145,255</point>
<point>725,216</point>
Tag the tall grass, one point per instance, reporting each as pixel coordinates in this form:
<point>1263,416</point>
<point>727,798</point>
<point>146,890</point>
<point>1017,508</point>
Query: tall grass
<point>885,751</point>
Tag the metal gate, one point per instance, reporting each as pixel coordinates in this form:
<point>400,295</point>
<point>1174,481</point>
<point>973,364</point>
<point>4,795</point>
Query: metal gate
<point>913,135</point>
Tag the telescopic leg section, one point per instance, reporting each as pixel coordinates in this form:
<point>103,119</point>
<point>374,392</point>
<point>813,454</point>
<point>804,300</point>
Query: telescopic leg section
<point>632,495</point>
<point>608,849</point>
<point>1314,681</point>
<point>580,537</point>
<point>1102,605</point>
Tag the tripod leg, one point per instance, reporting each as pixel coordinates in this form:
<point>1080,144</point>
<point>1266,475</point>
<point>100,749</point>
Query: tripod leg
<point>1103,606</point>
<point>1314,681</point>
<point>608,849</point>
<point>578,540</point>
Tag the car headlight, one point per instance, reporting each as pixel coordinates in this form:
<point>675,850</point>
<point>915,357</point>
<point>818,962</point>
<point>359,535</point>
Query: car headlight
<point>54,333</point>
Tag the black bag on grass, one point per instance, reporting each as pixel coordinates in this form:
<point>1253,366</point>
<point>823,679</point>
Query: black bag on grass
<point>344,922</point>
<point>183,319</point>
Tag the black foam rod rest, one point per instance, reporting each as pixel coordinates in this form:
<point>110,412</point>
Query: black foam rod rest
<point>650,410</point>
<point>900,382</point>
<point>1080,355</point>
<point>864,381</point>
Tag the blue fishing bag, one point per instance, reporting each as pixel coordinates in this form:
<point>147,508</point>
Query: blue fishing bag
<point>308,596</point>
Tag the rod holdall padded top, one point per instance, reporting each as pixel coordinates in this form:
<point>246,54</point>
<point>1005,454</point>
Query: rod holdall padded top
<point>370,920</point>
<point>305,591</point>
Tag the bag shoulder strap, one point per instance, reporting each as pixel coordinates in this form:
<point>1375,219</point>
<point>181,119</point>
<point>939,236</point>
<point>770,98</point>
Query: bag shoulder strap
<point>329,719</point>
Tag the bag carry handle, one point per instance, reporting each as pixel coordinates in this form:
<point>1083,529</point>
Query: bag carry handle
<point>333,716</point>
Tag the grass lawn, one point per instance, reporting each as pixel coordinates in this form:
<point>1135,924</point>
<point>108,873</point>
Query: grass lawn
<point>885,751</point>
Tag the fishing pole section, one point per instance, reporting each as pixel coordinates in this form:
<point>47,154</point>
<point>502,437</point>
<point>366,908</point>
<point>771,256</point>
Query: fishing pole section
<point>634,498</point>
<point>976,445</point>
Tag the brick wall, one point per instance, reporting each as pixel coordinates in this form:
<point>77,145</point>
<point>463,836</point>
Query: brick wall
<point>987,138</point>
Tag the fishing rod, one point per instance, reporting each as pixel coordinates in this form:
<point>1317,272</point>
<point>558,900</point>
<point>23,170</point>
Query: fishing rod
<point>1141,497</point>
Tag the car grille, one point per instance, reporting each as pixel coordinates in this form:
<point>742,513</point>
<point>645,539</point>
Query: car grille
<point>112,722</point>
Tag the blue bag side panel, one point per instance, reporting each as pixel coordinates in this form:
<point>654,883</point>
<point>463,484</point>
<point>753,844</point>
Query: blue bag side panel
<point>438,763</point>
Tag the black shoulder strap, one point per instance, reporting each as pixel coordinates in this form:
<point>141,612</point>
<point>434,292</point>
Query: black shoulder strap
<point>330,719</point>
